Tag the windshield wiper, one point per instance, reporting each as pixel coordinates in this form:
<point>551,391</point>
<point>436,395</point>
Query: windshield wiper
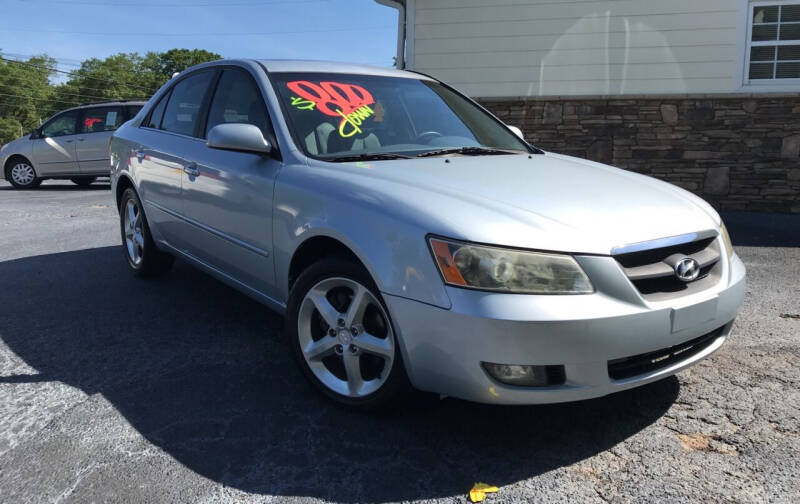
<point>468,151</point>
<point>375,156</point>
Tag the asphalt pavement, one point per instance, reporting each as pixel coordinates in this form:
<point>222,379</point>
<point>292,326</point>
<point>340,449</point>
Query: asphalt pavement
<point>116,389</point>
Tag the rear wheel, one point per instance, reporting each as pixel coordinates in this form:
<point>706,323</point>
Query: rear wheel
<point>343,337</point>
<point>21,174</point>
<point>83,181</point>
<point>144,258</point>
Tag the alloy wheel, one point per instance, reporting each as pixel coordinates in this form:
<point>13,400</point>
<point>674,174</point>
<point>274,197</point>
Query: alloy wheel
<point>134,239</point>
<point>22,173</point>
<point>345,337</point>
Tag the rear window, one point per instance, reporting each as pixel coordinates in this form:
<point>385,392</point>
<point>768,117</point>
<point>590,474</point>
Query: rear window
<point>99,119</point>
<point>154,121</point>
<point>132,110</point>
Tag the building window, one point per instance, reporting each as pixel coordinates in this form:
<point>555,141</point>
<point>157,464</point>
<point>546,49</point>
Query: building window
<point>774,42</point>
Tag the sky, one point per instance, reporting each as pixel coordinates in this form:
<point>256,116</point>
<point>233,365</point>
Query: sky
<point>358,31</point>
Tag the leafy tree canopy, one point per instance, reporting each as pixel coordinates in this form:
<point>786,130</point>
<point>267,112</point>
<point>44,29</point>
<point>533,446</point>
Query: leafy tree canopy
<point>28,95</point>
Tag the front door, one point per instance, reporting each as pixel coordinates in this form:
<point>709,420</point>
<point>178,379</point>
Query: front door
<point>227,195</point>
<point>96,126</point>
<point>53,152</point>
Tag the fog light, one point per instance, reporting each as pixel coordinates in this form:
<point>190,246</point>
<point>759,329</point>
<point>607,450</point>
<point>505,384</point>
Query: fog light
<point>524,375</point>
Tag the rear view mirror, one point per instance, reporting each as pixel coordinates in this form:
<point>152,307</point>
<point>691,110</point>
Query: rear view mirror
<point>238,137</point>
<point>516,131</point>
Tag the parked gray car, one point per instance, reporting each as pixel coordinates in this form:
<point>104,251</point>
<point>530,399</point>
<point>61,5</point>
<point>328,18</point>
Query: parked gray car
<point>412,239</point>
<point>72,144</point>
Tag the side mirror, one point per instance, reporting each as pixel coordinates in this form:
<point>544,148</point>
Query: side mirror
<point>516,131</point>
<point>238,137</point>
<point>36,134</point>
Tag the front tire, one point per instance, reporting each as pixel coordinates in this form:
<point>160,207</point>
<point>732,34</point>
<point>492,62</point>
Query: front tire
<point>83,181</point>
<point>343,338</point>
<point>141,253</point>
<point>21,174</point>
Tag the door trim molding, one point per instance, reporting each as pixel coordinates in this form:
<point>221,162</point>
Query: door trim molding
<point>213,231</point>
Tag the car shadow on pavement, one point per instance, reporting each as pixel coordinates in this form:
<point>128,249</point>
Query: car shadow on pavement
<point>203,373</point>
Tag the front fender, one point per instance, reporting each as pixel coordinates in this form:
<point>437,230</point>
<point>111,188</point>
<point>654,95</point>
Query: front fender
<point>308,203</point>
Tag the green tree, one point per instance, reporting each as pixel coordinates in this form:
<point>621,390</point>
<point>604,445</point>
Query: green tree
<point>9,129</point>
<point>25,95</point>
<point>128,76</point>
<point>178,60</point>
<point>113,78</point>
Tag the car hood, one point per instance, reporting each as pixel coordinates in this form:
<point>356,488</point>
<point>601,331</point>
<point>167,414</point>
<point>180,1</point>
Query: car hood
<point>546,202</point>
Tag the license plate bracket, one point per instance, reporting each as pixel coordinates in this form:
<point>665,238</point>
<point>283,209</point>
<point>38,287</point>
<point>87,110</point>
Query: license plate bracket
<point>694,315</point>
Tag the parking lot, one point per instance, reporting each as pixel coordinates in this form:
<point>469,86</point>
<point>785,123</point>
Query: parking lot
<point>181,389</point>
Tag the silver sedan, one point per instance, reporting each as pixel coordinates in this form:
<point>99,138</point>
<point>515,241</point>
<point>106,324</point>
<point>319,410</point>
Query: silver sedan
<point>412,239</point>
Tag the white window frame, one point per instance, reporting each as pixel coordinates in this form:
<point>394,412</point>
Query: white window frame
<point>776,84</point>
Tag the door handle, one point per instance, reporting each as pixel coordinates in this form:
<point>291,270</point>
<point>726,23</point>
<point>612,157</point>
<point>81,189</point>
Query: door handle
<point>81,139</point>
<point>67,141</point>
<point>191,169</point>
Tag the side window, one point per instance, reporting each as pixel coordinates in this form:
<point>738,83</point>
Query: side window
<point>184,107</point>
<point>237,100</point>
<point>131,111</point>
<point>61,125</point>
<point>98,119</point>
<point>158,112</point>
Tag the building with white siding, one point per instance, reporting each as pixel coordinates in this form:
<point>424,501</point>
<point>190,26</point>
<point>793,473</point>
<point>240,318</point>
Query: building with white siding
<point>703,93</point>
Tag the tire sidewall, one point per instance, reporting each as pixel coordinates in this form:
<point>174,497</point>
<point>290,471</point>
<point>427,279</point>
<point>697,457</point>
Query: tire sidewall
<point>18,160</point>
<point>334,267</point>
<point>154,261</point>
<point>128,195</point>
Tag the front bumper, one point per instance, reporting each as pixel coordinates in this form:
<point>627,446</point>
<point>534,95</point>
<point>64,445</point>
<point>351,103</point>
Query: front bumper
<point>443,349</point>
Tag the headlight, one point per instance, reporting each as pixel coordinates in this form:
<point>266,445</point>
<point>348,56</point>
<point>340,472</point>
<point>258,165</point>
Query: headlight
<point>507,270</point>
<point>726,240</point>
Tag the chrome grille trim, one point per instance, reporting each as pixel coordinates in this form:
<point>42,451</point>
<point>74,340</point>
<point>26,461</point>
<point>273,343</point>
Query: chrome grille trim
<point>651,270</point>
<point>663,242</point>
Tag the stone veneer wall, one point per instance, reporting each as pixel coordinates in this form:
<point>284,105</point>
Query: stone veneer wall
<point>736,151</point>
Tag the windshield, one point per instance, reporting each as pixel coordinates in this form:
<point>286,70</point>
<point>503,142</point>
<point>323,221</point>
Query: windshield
<point>344,116</point>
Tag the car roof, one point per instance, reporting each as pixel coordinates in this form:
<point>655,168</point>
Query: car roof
<point>280,65</point>
<point>295,65</point>
<point>111,103</point>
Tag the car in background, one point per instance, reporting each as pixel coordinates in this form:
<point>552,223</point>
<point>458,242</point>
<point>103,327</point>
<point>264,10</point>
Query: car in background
<point>73,144</point>
<point>410,237</point>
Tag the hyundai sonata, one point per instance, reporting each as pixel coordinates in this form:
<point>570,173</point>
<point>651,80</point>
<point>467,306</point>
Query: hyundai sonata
<point>413,239</point>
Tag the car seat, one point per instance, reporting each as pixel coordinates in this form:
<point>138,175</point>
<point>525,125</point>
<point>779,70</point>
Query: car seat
<point>317,140</point>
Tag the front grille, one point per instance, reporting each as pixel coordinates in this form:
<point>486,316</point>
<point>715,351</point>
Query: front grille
<point>652,270</point>
<point>628,367</point>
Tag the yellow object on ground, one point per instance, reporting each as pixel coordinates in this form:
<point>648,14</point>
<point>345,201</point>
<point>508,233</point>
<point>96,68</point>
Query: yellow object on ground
<point>479,491</point>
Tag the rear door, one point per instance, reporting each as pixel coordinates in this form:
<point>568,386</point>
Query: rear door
<point>54,153</point>
<point>170,130</point>
<point>95,128</point>
<point>227,198</point>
